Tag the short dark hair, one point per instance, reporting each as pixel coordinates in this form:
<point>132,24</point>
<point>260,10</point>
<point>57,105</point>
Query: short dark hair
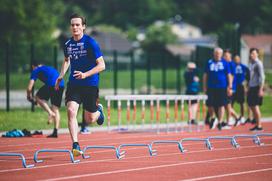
<point>254,49</point>
<point>227,51</point>
<point>83,19</point>
<point>35,63</point>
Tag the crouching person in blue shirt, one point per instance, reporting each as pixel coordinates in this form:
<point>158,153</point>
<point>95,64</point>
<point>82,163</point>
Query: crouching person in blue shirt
<point>48,75</point>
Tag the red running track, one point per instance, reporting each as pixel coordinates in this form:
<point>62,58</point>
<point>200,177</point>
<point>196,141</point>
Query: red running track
<point>249,162</point>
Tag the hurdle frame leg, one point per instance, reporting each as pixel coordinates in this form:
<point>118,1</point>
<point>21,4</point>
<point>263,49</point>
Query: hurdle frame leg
<point>232,140</point>
<point>255,139</point>
<point>258,135</point>
<point>18,155</point>
<point>54,151</point>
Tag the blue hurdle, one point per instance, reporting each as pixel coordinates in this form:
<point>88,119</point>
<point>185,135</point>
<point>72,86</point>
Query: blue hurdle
<point>261,135</point>
<point>100,147</point>
<point>122,154</point>
<point>154,152</point>
<point>18,155</point>
<point>232,140</point>
<point>255,138</point>
<point>206,141</point>
<point>54,151</point>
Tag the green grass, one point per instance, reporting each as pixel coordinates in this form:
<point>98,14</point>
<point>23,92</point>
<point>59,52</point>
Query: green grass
<point>24,118</point>
<point>19,81</point>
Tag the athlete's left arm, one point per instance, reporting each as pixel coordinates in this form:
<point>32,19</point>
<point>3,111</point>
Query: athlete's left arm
<point>230,79</point>
<point>100,66</point>
<point>29,90</point>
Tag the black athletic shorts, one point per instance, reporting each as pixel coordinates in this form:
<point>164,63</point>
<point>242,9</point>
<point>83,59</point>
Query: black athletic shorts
<point>48,92</point>
<point>253,98</point>
<point>217,97</point>
<point>239,95</point>
<point>192,101</point>
<point>87,95</point>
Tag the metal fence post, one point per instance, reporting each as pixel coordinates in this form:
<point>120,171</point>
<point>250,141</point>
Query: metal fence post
<point>31,61</point>
<point>148,73</point>
<point>115,72</point>
<point>163,73</point>
<point>178,75</point>
<point>132,73</point>
<point>7,78</point>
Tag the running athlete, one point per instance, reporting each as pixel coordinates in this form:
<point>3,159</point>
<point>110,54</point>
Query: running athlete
<point>83,54</point>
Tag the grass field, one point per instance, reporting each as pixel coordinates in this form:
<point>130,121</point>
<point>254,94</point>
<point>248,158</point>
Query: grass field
<point>19,81</point>
<point>24,118</point>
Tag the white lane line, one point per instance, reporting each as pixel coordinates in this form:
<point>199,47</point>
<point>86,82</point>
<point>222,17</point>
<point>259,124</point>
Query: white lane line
<point>228,174</point>
<point>154,167</point>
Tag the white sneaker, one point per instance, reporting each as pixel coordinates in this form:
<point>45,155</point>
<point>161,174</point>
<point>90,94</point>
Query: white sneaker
<point>226,127</point>
<point>231,121</point>
<point>242,120</point>
<point>215,123</point>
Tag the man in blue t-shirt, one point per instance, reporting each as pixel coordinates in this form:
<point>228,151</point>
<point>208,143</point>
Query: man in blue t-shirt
<point>242,75</point>
<point>217,83</point>
<point>227,56</point>
<point>48,75</point>
<point>86,60</point>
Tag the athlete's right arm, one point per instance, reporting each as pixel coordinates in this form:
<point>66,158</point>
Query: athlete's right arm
<point>64,68</point>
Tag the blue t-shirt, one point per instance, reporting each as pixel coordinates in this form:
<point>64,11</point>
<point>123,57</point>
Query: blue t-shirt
<point>82,55</point>
<point>217,72</point>
<point>241,72</point>
<point>232,66</point>
<point>192,86</point>
<point>48,75</point>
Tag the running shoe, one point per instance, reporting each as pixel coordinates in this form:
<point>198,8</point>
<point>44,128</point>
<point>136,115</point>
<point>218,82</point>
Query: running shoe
<point>219,126</point>
<point>100,120</point>
<point>256,128</point>
<point>214,123</point>
<point>76,150</point>
<point>53,135</point>
<point>85,131</point>
<point>237,122</point>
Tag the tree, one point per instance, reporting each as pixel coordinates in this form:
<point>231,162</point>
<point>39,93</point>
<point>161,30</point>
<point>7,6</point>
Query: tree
<point>157,37</point>
<point>28,20</point>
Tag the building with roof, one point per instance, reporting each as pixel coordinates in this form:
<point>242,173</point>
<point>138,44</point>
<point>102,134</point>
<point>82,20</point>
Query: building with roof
<point>263,42</point>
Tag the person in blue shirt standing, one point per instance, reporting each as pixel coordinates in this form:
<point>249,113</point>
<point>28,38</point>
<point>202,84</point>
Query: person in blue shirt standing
<point>192,88</point>
<point>242,75</point>
<point>217,83</point>
<point>227,56</point>
<point>83,54</point>
<point>48,75</point>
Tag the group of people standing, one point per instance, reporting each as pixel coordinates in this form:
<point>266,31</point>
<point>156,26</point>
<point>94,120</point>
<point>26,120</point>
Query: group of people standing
<point>223,82</point>
<point>226,81</point>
